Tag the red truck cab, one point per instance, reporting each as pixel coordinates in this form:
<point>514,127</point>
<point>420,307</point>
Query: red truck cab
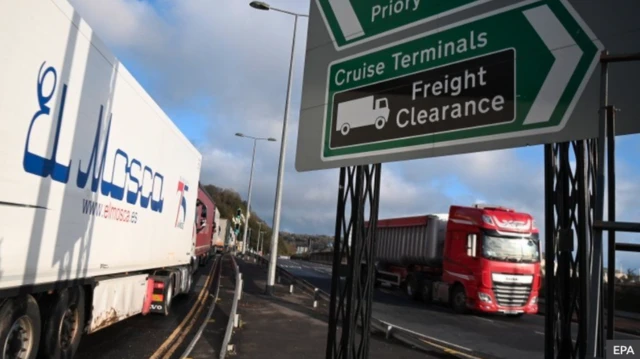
<point>204,226</point>
<point>483,258</point>
<point>494,254</point>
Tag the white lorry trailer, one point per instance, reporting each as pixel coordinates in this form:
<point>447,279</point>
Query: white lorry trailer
<point>98,187</point>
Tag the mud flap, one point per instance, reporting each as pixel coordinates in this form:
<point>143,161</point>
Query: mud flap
<point>158,291</point>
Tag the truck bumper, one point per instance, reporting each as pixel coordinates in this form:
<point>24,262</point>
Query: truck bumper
<point>492,307</point>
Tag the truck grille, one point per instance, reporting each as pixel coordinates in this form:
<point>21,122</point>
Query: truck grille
<point>512,295</point>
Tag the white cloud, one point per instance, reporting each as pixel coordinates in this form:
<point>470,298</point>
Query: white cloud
<point>236,59</point>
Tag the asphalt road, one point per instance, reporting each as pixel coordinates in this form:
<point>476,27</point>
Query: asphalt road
<point>140,336</point>
<point>493,335</point>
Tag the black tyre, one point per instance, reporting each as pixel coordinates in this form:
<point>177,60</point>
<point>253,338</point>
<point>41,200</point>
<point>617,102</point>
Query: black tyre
<point>412,288</point>
<point>19,328</point>
<point>168,297</point>
<point>427,291</point>
<point>63,324</point>
<point>189,280</point>
<point>458,300</point>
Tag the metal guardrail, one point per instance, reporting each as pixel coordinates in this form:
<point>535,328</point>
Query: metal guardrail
<point>299,282</point>
<point>618,313</point>
<point>234,319</point>
<point>389,330</point>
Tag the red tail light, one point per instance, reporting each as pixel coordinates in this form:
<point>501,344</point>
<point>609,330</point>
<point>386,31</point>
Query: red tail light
<point>158,285</point>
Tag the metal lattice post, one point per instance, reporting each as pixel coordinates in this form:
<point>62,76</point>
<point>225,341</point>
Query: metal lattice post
<point>569,210</point>
<point>351,302</point>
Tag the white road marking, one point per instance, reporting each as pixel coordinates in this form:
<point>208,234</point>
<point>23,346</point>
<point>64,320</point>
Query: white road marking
<point>426,336</point>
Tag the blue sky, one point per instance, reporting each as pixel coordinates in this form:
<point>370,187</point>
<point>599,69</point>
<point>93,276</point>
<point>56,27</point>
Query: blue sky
<point>220,67</point>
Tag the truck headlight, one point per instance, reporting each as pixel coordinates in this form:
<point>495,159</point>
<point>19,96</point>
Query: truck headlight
<point>484,297</point>
<point>534,300</point>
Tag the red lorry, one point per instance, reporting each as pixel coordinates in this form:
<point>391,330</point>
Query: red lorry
<point>205,226</point>
<point>482,258</point>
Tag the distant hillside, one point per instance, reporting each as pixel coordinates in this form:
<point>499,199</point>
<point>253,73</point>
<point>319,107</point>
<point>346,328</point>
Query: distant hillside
<point>228,201</point>
<point>317,242</point>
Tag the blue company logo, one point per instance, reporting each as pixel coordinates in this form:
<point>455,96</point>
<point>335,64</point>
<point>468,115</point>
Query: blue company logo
<point>142,179</point>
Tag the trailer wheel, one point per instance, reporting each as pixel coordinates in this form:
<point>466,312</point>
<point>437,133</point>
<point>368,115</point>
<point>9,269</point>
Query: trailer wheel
<point>412,288</point>
<point>427,289</point>
<point>189,279</point>
<point>458,300</point>
<point>168,296</point>
<point>63,324</point>
<point>20,328</point>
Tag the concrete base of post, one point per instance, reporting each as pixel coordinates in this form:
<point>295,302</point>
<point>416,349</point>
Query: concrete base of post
<point>388,333</point>
<point>269,290</point>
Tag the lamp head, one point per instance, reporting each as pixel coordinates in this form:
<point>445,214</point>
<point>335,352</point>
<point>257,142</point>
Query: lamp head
<point>259,5</point>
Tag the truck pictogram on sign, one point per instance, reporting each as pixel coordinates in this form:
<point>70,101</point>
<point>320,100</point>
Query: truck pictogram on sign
<point>362,112</point>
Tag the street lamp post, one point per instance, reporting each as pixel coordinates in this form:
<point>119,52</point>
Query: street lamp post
<point>273,255</point>
<point>253,159</point>
<point>258,239</point>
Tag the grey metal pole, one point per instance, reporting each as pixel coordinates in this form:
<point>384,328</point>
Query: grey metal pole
<point>262,241</point>
<point>283,148</point>
<point>246,223</point>
<point>258,242</point>
<point>258,239</point>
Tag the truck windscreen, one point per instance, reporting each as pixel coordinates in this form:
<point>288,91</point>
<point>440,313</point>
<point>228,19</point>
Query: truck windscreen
<point>511,249</point>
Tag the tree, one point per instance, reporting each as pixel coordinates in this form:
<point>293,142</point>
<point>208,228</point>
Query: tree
<point>227,201</point>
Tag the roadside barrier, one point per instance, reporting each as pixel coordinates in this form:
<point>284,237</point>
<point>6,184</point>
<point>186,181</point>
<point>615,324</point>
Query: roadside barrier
<point>378,326</point>
<point>234,317</point>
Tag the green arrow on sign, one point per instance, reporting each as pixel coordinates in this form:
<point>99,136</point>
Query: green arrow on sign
<point>351,22</point>
<point>514,72</point>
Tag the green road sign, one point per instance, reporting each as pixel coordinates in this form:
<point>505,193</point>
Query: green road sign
<point>512,73</point>
<point>351,22</point>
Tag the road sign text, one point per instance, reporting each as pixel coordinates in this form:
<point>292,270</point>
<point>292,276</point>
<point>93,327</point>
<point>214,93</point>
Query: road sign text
<point>350,22</point>
<point>381,12</point>
<point>467,94</point>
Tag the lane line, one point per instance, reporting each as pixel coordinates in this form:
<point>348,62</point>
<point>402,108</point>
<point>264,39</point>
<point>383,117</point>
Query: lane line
<point>207,319</point>
<point>487,319</point>
<point>425,336</point>
<point>194,318</point>
<point>176,331</point>
<point>449,350</point>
